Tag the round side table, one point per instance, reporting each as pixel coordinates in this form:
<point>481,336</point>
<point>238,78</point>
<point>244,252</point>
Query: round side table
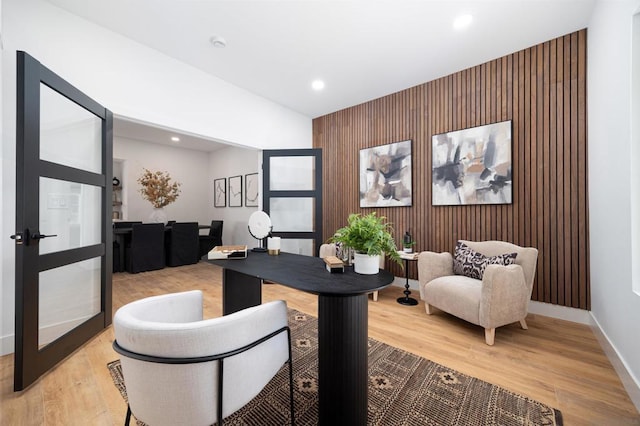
<point>406,300</point>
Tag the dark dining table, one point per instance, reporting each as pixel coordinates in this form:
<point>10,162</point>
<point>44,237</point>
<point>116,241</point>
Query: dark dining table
<point>120,235</point>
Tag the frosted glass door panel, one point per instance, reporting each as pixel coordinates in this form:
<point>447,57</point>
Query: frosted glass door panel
<point>70,210</point>
<point>293,174</point>
<point>69,295</point>
<point>298,246</point>
<point>69,134</point>
<point>292,214</point>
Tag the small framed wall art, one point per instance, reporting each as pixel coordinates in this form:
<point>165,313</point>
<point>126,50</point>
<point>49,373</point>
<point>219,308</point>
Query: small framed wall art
<point>251,191</point>
<point>220,192</point>
<point>472,166</point>
<point>235,191</point>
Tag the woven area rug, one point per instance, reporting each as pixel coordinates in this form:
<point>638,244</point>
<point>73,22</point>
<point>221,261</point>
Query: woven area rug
<point>404,389</point>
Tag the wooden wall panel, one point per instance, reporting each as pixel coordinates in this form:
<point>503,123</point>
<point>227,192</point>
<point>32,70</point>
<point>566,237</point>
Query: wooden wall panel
<point>543,90</point>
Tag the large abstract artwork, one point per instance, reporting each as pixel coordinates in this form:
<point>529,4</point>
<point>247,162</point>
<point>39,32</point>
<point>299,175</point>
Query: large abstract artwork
<point>473,166</point>
<point>385,175</point>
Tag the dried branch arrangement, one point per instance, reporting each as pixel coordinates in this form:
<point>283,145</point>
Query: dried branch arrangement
<point>158,189</point>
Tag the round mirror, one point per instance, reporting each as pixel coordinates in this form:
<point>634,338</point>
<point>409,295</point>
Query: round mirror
<point>259,227</point>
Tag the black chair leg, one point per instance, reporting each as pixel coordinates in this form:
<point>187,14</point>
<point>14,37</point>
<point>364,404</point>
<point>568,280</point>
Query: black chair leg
<point>128,418</point>
<point>291,403</point>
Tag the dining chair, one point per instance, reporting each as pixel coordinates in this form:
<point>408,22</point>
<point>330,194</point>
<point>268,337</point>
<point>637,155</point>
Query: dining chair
<point>145,252</point>
<point>213,239</point>
<point>120,241</point>
<point>182,244</point>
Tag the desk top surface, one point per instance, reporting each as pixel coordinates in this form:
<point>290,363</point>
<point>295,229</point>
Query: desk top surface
<point>306,273</point>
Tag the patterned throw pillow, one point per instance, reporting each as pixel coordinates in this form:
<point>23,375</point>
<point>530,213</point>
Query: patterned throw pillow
<point>472,264</point>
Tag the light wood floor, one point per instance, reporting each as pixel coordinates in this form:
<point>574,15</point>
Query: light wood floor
<point>556,362</point>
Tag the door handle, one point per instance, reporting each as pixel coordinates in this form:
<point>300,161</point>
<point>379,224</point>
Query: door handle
<point>17,237</point>
<point>26,237</point>
<point>38,236</point>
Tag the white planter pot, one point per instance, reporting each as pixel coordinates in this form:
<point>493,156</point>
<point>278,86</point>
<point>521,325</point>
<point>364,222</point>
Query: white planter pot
<point>365,264</point>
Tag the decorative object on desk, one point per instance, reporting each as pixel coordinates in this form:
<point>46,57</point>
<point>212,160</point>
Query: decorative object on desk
<point>472,166</point>
<point>220,192</point>
<point>158,189</point>
<point>407,243</point>
<point>251,190</point>
<point>424,393</point>
<point>333,264</point>
<point>273,245</point>
<point>368,235</point>
<point>385,175</point>
<point>235,191</point>
<point>260,228</point>
<point>345,253</point>
<point>228,252</point>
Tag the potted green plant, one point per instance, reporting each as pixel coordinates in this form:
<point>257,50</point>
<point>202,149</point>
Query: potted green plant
<point>408,243</point>
<point>370,236</point>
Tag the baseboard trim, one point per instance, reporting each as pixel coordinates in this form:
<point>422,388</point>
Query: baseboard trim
<point>631,384</point>
<point>47,334</point>
<point>7,345</point>
<point>560,312</point>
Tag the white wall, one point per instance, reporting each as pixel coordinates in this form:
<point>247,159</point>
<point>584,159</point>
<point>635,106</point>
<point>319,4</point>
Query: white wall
<point>234,161</point>
<point>134,82</point>
<point>615,307</point>
<point>189,167</point>
<point>4,299</point>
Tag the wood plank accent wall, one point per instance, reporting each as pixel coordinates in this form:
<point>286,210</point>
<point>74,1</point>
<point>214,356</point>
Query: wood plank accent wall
<point>543,90</point>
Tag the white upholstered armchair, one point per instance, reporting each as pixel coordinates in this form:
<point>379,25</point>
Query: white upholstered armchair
<point>496,295</point>
<point>181,369</point>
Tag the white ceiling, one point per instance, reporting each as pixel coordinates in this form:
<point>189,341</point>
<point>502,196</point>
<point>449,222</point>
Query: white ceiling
<point>362,49</point>
<point>125,128</point>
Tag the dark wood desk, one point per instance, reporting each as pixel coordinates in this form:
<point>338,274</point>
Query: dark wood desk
<point>342,322</point>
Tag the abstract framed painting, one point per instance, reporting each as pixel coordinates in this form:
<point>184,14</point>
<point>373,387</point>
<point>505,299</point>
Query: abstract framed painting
<point>385,175</point>
<point>473,166</point>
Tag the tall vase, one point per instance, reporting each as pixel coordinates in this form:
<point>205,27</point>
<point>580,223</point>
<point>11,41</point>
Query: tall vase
<point>158,215</point>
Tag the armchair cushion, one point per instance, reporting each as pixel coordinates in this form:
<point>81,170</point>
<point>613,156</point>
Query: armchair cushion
<point>470,263</point>
<point>457,293</point>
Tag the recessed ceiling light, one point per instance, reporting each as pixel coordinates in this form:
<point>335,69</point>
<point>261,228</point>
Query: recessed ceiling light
<point>175,139</point>
<point>462,21</point>
<point>317,85</point>
<point>218,42</point>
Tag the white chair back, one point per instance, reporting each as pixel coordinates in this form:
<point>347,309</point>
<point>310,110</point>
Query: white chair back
<point>172,326</point>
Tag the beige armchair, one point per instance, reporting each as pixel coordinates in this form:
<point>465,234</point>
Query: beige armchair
<point>329,249</point>
<point>501,297</point>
